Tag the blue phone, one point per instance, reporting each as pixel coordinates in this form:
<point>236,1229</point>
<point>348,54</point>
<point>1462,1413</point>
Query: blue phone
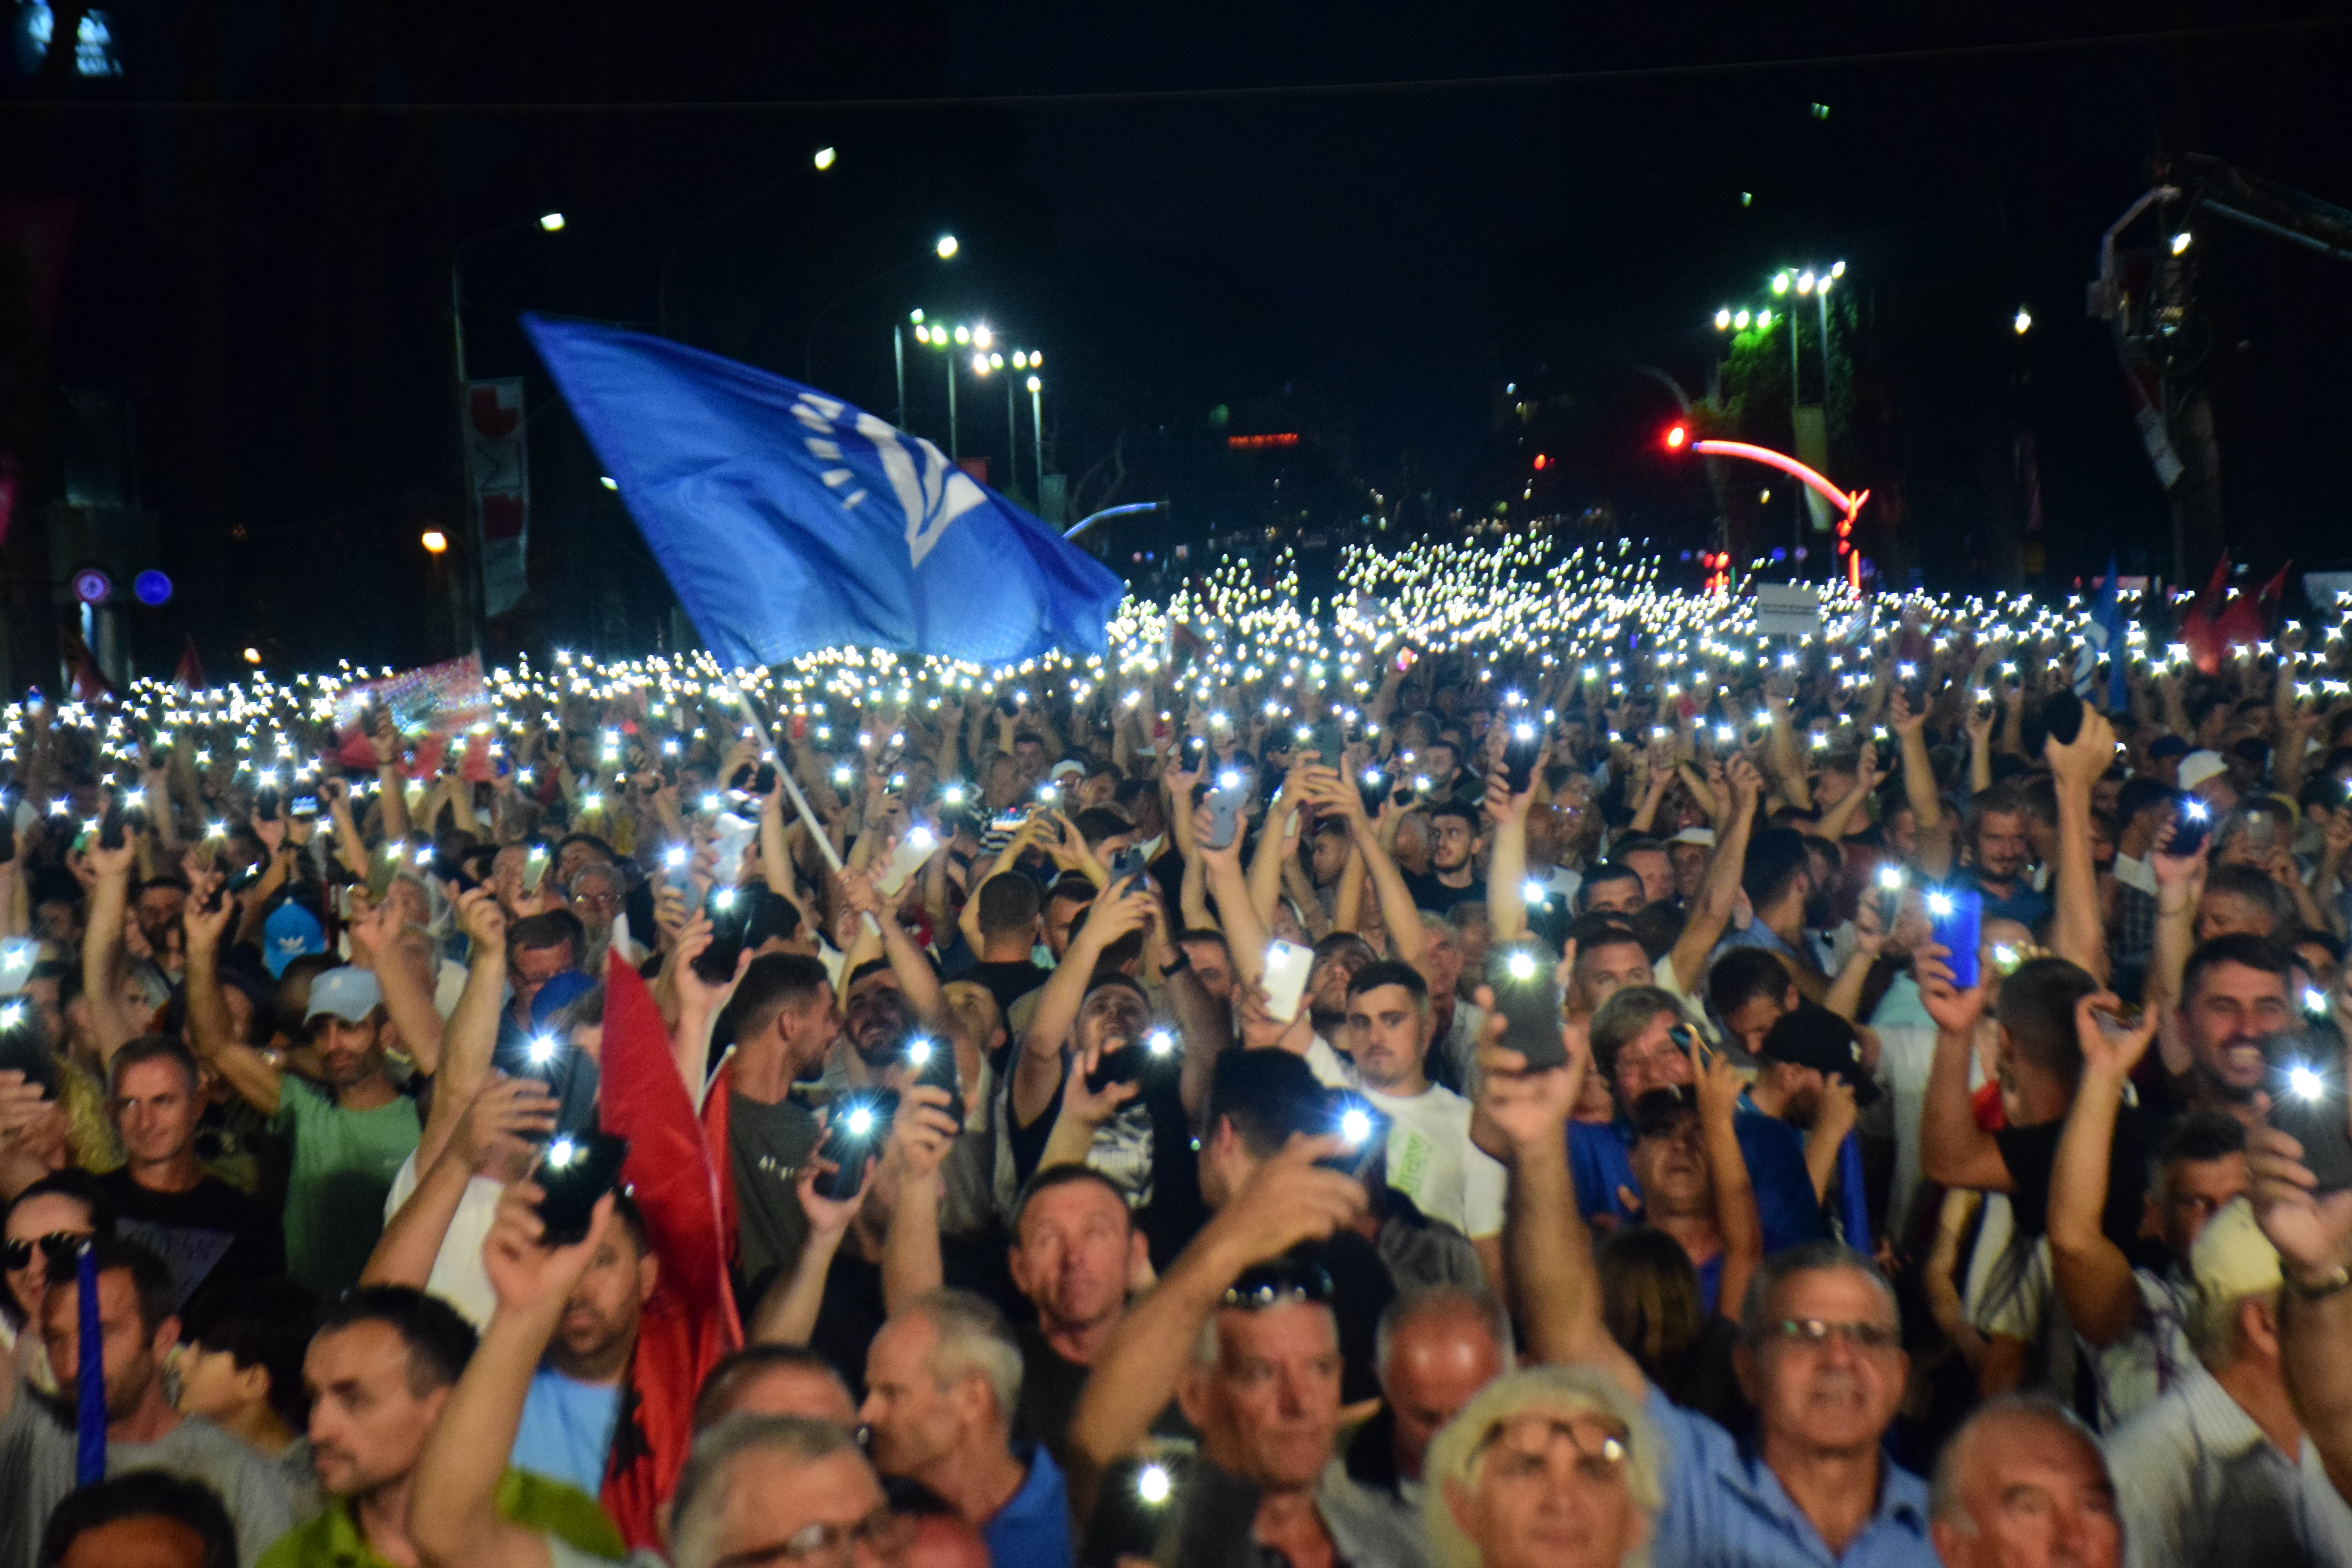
<point>1225,802</point>
<point>1955,921</point>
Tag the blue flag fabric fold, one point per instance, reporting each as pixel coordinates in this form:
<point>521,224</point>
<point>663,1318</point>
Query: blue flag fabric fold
<point>788,521</point>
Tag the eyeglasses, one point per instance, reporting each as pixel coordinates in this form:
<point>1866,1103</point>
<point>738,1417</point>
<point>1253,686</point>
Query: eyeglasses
<point>57,1247</point>
<point>1813,1333</point>
<point>882,1532</point>
<point>1278,1283</point>
<point>1520,1447</point>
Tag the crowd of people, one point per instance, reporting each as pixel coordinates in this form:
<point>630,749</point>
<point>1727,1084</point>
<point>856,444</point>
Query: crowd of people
<point>1511,1068</point>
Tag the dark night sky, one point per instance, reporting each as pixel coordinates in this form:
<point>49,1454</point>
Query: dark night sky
<point>264,296</point>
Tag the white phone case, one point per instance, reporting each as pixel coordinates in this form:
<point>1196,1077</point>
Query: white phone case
<point>1286,967</point>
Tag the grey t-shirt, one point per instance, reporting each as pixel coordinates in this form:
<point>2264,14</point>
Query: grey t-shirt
<point>769,1143</point>
<point>37,1472</point>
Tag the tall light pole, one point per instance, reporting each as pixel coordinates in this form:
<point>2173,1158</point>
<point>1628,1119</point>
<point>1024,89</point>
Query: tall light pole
<point>1037,431</point>
<point>471,594</point>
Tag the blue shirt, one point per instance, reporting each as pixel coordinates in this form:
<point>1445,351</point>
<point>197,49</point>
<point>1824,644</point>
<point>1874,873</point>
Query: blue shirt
<point>2025,906</point>
<point>567,1429</point>
<point>1723,1505</point>
<point>1033,1529</point>
<point>1785,1204</point>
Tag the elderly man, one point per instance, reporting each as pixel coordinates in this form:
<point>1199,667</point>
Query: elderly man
<point>1076,1254</point>
<point>2220,1469</point>
<point>943,1379</point>
<point>1262,1385</point>
<point>2024,1481</point>
<point>1820,1358</point>
<point>1436,1349</point>
<point>1550,1468</point>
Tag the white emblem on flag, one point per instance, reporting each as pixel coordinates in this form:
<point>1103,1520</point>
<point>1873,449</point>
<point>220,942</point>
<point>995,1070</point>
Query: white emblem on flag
<point>932,492</point>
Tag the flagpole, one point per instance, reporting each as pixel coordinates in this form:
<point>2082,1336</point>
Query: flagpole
<point>800,801</point>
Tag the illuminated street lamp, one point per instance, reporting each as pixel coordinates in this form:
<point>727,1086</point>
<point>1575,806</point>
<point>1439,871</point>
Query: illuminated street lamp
<point>826,158</point>
<point>552,222</point>
<point>2022,322</point>
<point>433,540</point>
<point>947,248</point>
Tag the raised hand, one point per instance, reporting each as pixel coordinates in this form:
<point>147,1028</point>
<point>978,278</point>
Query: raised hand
<point>1956,1012</point>
<point>528,1274</point>
<point>923,1130</point>
<point>498,1129</point>
<point>1289,1199</point>
<point>1084,1103</point>
<point>2110,1045</point>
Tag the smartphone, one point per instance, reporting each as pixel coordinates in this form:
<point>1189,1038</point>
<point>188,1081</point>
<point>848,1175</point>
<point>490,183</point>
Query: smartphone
<point>110,826</point>
<point>855,1131</point>
<point>2307,1101</point>
<point>934,1061</point>
<point>1955,921</point>
<point>2192,820</point>
<point>730,836</point>
<point>1225,802</point>
<point>1525,981</point>
<point>1049,795</point>
<point>577,1170</point>
<point>1372,788</point>
<point>1193,753</point>
<point>265,803</point>
<point>1365,1132</point>
<point>534,868</point>
<point>677,867</point>
<point>304,806</point>
<point>2061,715</point>
<point>1127,865</point>
<point>1007,822</point>
<point>1006,705</point>
<point>1328,739</point>
<point>7,834</point>
<point>1520,750</point>
<point>1889,897</point>
<point>21,1050</point>
<point>730,910</point>
<point>1131,1061</point>
<point>1287,964</point>
<point>2261,830</point>
<point>451,868</point>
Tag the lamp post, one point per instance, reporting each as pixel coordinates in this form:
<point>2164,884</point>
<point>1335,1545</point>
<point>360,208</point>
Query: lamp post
<point>470,595</point>
<point>1037,430</point>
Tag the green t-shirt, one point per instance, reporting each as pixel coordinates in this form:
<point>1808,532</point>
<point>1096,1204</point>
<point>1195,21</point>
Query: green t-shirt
<point>560,1513</point>
<point>344,1161</point>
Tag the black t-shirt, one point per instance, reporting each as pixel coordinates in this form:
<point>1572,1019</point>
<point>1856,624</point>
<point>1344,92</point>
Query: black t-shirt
<point>1362,1290</point>
<point>1008,982</point>
<point>1175,1212</point>
<point>1050,1386</point>
<point>189,1230</point>
<point>768,1144</point>
<point>851,1312</point>
<point>1429,893</point>
<point>2030,1153</point>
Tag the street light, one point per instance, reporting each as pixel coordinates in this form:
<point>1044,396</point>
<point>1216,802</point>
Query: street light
<point>433,540</point>
<point>1037,429</point>
<point>826,158</point>
<point>947,247</point>
<point>2022,322</point>
<point>2180,242</point>
<point>1780,283</point>
<point>1723,318</point>
<point>552,222</point>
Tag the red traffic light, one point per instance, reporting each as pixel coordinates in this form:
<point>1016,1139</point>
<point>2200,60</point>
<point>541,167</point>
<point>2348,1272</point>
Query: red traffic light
<point>1543,461</point>
<point>1677,437</point>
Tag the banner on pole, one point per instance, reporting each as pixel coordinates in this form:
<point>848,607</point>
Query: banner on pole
<point>497,476</point>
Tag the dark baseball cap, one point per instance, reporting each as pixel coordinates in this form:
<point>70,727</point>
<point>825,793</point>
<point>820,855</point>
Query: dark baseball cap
<point>2165,746</point>
<point>1659,1108</point>
<point>1813,1036</point>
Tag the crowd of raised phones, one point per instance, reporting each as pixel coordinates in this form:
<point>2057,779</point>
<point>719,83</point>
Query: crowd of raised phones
<point>1791,1111</point>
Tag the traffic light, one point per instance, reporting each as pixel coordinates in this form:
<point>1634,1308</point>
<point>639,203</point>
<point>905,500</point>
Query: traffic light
<point>1677,437</point>
<point>1542,462</point>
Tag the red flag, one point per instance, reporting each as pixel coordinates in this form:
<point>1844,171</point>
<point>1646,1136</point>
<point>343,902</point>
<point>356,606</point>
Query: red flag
<point>190,675</point>
<point>89,682</point>
<point>2200,630</point>
<point>691,1322</point>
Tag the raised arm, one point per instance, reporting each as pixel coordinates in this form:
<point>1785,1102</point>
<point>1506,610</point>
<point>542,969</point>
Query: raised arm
<point>919,1140</point>
<point>1038,1071</point>
<point>787,1314</point>
<point>1953,1150</point>
<point>2313,1233</point>
<point>2076,933</point>
<point>250,1072</point>
<point>1328,790</point>
<point>375,942</point>
<point>2094,1277</point>
<point>391,783</point>
<point>1720,1087</point>
<point>2179,883</point>
<point>453,1514</point>
<point>491,1136</point>
<point>471,1034</point>
<point>1523,1118</point>
<point>1506,861</point>
<point>1919,788</point>
<point>104,966</point>
<point>1290,1200</point>
<point>1718,890</point>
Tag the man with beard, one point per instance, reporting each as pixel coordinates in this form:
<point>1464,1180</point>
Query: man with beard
<point>575,1404</point>
<point>144,1431</point>
<point>2002,858</point>
<point>784,1022</point>
<point>378,1369</point>
<point>2233,997</point>
<point>1777,877</point>
<point>1811,1073</point>
<point>1137,1133</point>
<point>1452,874</point>
<point>1076,1254</point>
<point>349,1139</point>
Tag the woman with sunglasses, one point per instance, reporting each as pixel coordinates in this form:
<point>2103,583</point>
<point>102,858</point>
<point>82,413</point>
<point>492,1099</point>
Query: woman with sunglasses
<point>50,1216</point>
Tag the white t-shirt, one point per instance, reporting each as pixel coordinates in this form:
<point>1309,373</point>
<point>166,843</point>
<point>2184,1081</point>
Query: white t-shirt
<point>1331,1069</point>
<point>458,1277</point>
<point>1432,1161</point>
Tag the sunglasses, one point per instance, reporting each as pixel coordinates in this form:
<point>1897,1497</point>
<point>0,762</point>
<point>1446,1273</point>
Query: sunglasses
<point>1278,1283</point>
<point>57,1247</point>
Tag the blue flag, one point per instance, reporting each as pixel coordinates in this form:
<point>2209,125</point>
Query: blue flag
<point>89,1374</point>
<point>788,521</point>
<point>2104,635</point>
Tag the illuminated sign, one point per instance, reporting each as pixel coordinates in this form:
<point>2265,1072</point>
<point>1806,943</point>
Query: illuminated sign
<point>1251,443</point>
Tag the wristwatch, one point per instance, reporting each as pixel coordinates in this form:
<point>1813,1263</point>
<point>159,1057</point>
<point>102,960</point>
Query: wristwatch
<point>2334,1282</point>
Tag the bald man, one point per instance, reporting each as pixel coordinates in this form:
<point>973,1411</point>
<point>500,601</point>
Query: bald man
<point>2023,1482</point>
<point>1434,1350</point>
